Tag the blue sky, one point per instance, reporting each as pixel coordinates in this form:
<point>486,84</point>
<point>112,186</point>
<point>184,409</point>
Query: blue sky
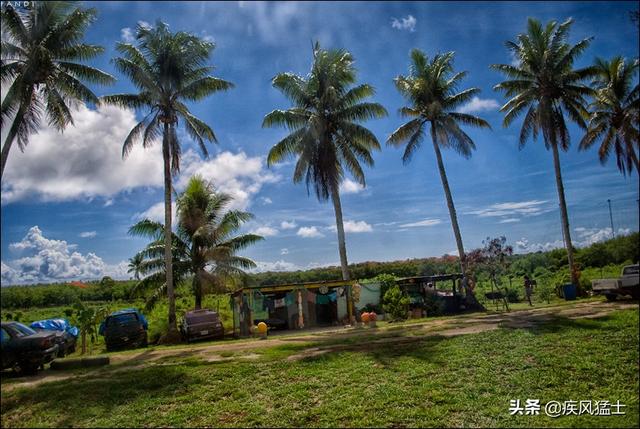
<point>69,200</point>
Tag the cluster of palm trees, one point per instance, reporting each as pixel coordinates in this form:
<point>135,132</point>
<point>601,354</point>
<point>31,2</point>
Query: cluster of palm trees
<point>42,51</point>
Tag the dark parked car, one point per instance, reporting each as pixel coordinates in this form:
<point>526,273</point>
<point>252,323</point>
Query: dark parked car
<point>201,324</point>
<point>123,329</point>
<point>24,349</point>
<point>66,334</point>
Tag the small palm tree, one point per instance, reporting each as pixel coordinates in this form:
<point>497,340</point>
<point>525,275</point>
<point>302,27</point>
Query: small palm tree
<point>204,246</point>
<point>135,264</point>
<point>615,114</point>
<point>431,90</point>
<point>169,69</point>
<point>546,86</point>
<point>326,136</point>
<point>40,49</point>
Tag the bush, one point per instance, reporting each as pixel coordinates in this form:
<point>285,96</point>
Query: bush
<point>386,281</point>
<point>544,291</point>
<point>433,305</point>
<point>512,295</point>
<point>396,304</point>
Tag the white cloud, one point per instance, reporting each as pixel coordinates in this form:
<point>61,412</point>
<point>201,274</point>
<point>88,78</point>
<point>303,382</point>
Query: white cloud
<point>266,200</point>
<point>156,213</point>
<point>348,186</point>
<point>280,265</point>
<point>88,234</point>
<point>46,260</point>
<point>309,232</point>
<point>584,238</point>
<point>237,174</point>
<point>288,225</point>
<point>479,105</point>
<point>408,23</point>
<point>84,161</point>
<point>108,203</point>
<point>274,20</point>
<point>354,226</point>
<point>524,208</point>
<point>126,34</point>
<point>265,231</point>
<point>284,251</point>
<point>509,220</point>
<point>426,222</point>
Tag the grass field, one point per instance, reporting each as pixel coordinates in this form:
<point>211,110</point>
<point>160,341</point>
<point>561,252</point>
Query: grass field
<point>464,380</point>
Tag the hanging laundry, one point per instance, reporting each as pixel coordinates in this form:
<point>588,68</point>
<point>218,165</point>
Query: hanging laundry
<point>290,298</point>
<point>332,296</point>
<point>277,303</point>
<point>322,299</point>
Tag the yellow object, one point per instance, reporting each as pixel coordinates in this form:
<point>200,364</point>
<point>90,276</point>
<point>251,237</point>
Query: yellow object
<point>262,328</point>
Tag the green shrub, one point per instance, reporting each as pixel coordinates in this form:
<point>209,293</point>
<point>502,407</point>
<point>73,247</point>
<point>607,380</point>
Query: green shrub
<point>512,295</point>
<point>544,290</point>
<point>396,304</point>
<point>434,305</point>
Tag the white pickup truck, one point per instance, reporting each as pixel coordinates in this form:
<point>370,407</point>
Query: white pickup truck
<point>628,284</point>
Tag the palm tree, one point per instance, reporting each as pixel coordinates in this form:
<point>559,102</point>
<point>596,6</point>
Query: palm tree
<point>326,136</point>
<point>431,90</point>
<point>40,50</point>
<point>615,116</point>
<point>204,245</point>
<point>135,264</point>
<point>545,85</point>
<point>168,69</point>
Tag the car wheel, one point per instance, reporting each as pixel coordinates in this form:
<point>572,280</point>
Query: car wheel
<point>145,341</point>
<point>611,297</point>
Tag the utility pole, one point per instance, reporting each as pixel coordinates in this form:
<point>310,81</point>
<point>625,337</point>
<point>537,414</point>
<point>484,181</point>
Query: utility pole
<point>613,231</point>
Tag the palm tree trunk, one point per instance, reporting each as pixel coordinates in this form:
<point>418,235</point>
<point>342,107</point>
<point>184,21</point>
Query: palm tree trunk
<point>342,246</point>
<point>564,215</point>
<point>197,291</point>
<point>11,135</point>
<point>168,258</point>
<point>452,208</point>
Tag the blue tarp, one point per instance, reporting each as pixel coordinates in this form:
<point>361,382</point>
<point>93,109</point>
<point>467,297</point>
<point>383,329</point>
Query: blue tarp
<point>141,317</point>
<point>56,325</point>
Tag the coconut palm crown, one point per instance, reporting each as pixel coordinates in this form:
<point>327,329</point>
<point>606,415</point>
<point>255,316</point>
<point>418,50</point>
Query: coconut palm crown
<point>615,113</point>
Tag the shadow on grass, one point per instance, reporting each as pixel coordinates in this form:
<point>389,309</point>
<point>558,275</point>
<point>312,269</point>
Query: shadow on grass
<point>89,398</point>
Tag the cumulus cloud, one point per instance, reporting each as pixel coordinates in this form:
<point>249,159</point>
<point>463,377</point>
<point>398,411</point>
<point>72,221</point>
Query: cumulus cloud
<point>584,237</point>
<point>237,174</point>
<point>280,265</point>
<point>408,23</point>
<point>288,225</point>
<point>523,208</point>
<point>84,161</point>
<point>126,35</point>
<point>348,186</point>
<point>354,226</point>
<point>479,105</point>
<point>426,222</point>
<point>309,232</point>
<point>88,234</point>
<point>156,213</point>
<point>265,231</point>
<point>43,260</point>
<point>284,251</point>
<point>266,200</point>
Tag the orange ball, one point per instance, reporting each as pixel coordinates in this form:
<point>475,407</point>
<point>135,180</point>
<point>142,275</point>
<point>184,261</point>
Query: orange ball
<point>365,317</point>
<point>373,316</point>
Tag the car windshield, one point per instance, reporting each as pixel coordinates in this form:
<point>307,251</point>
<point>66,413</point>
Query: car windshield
<point>123,319</point>
<point>23,330</point>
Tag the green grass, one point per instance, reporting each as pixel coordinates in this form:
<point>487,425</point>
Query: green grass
<point>458,381</point>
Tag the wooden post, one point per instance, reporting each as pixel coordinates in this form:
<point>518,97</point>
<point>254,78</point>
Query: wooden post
<point>300,311</point>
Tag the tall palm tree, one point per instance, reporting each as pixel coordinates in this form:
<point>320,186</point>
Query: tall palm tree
<point>169,69</point>
<point>615,113</point>
<point>204,245</point>
<point>326,137</point>
<point>40,49</point>
<point>135,264</point>
<point>431,90</point>
<point>545,85</point>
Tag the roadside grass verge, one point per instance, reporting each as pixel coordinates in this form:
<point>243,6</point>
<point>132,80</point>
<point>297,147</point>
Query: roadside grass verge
<point>465,380</point>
